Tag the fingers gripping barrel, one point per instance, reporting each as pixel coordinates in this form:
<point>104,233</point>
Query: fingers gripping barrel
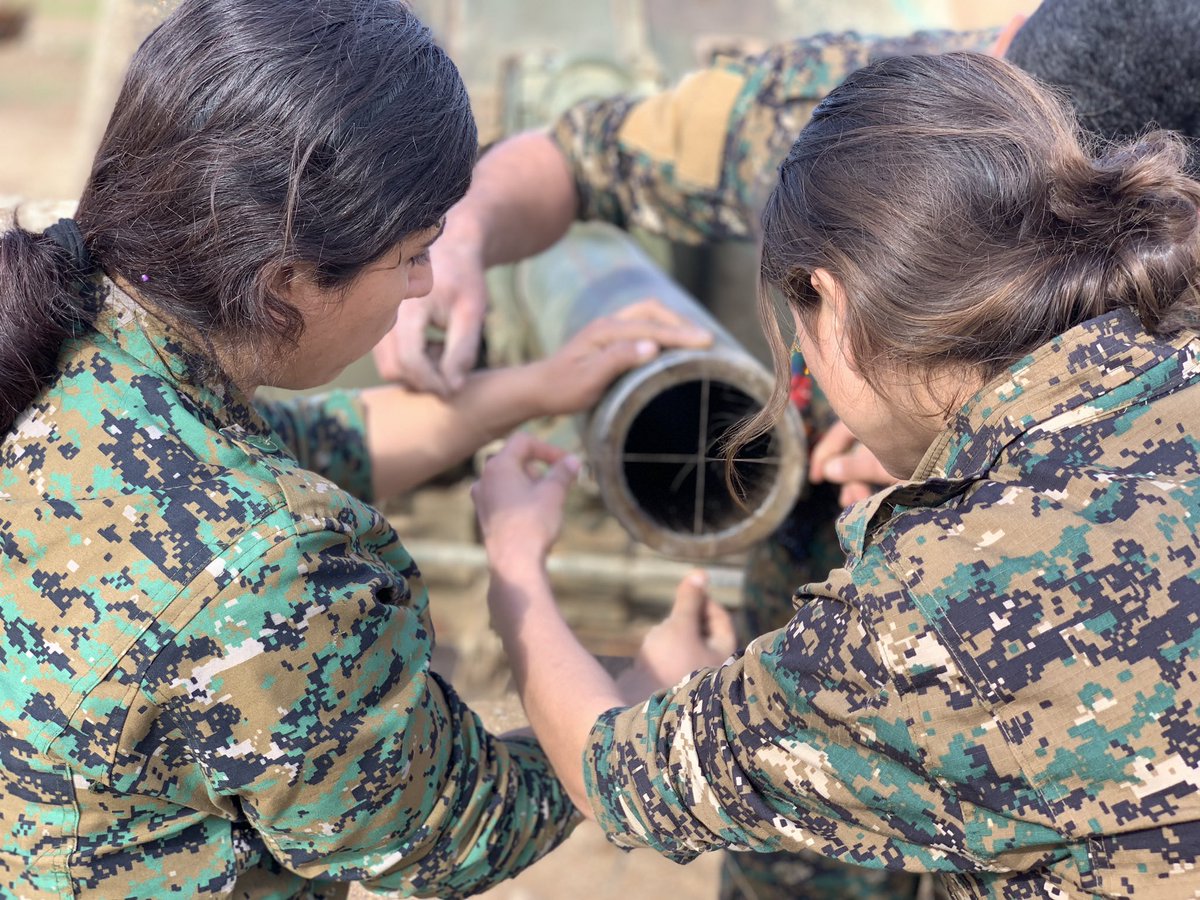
<point>655,442</point>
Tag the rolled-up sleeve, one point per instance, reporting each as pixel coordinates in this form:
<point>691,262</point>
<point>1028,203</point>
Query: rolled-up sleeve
<point>661,163</point>
<point>303,691</point>
<point>846,732</point>
<point>326,433</point>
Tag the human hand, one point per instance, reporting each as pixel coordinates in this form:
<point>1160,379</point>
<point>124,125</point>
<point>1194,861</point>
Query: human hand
<point>839,458</point>
<point>697,633</point>
<point>457,303</point>
<point>519,500</point>
<point>576,376</point>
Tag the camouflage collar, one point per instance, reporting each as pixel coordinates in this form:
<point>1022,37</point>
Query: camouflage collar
<point>1091,371</point>
<point>168,352</point>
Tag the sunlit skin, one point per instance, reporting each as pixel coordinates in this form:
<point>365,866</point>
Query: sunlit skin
<point>898,433</point>
<point>340,326</point>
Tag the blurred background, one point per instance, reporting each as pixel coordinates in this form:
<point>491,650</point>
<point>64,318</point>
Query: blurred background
<point>524,61</point>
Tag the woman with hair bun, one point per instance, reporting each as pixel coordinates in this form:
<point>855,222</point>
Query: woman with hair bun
<point>1001,685</point>
<point>215,652</point>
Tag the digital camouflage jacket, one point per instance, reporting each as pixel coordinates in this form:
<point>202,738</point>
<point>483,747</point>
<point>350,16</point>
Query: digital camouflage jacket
<point>1003,681</point>
<point>215,662</point>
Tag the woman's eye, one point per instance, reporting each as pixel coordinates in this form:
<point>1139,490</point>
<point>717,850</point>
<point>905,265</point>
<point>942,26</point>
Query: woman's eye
<point>420,259</point>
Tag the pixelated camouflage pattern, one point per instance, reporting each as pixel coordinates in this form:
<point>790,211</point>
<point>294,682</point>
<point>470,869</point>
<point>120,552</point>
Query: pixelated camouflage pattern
<point>216,661</point>
<point>1002,682</point>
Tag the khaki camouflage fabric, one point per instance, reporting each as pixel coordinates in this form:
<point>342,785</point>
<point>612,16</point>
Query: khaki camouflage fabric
<point>1002,682</point>
<point>216,674</point>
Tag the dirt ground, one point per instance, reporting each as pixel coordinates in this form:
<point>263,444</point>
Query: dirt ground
<point>41,78</point>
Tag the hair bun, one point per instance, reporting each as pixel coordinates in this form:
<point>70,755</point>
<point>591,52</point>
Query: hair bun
<point>1153,231</point>
<point>1134,210</point>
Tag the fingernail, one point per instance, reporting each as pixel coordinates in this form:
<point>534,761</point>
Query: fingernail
<point>835,469</point>
<point>698,579</point>
<point>572,463</point>
<point>645,349</point>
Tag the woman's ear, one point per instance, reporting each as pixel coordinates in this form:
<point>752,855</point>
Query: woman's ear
<point>833,298</point>
<point>298,289</point>
<point>830,322</point>
<point>828,287</point>
<point>280,278</point>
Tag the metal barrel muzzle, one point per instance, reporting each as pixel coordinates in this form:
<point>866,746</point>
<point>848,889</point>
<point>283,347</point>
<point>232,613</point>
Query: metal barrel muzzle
<point>655,442</point>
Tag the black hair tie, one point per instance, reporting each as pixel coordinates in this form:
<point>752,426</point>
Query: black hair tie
<point>66,233</point>
<point>90,296</point>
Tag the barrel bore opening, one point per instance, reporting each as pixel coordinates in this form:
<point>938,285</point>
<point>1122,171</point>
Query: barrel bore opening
<point>673,459</point>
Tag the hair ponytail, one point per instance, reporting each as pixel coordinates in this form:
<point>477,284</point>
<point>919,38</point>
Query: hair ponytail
<point>41,283</point>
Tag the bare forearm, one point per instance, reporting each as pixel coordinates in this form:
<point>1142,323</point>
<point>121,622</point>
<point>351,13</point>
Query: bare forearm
<point>522,200</point>
<point>412,437</point>
<point>562,687</point>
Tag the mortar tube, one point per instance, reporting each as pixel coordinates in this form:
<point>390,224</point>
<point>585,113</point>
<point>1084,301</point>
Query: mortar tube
<point>654,442</point>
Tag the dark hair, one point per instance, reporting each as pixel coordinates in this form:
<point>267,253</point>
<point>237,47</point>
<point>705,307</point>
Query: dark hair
<point>1124,64</point>
<point>959,207</point>
<point>252,139</point>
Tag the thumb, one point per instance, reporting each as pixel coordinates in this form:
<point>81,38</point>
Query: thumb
<point>835,470</point>
<point>690,597</point>
<point>402,355</point>
<point>462,343</point>
<point>722,635</point>
<point>563,473</point>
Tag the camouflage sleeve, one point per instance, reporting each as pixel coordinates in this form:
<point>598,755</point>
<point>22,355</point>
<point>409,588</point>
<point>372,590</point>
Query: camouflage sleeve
<point>847,733</point>
<point>327,435</point>
<point>696,163</point>
<point>303,691</point>
<point>659,163</point>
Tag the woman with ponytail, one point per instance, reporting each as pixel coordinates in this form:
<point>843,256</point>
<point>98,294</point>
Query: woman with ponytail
<point>1002,683</point>
<point>214,652</point>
